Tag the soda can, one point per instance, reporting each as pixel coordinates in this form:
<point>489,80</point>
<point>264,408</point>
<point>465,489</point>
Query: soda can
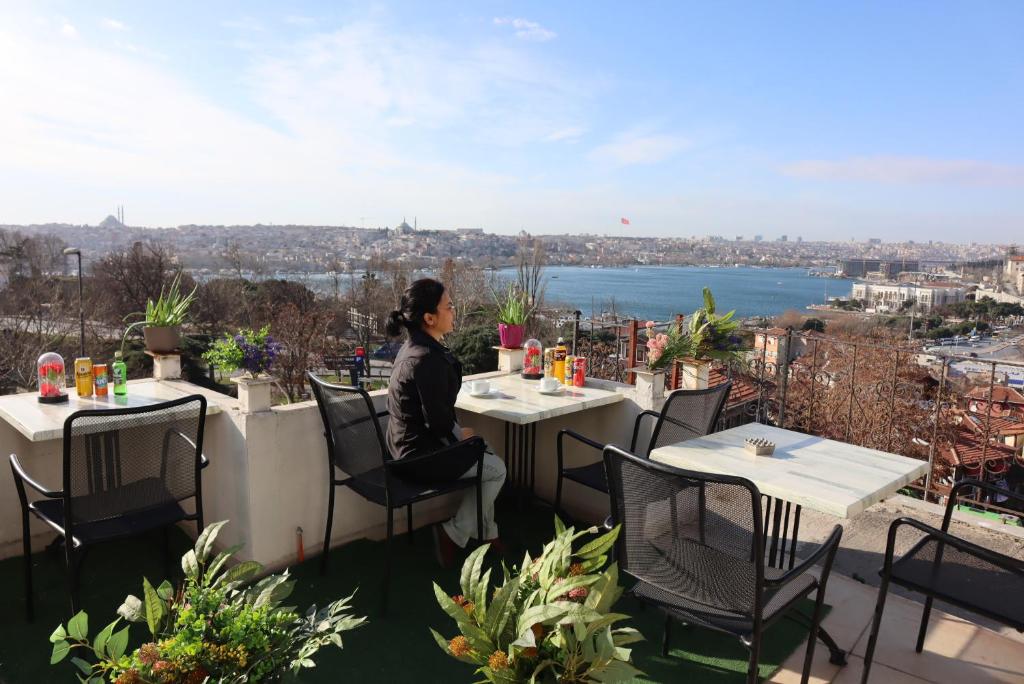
<point>83,376</point>
<point>579,375</point>
<point>99,372</point>
<point>549,363</point>
<point>567,378</point>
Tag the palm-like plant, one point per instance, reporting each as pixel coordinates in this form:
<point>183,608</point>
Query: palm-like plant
<point>169,309</point>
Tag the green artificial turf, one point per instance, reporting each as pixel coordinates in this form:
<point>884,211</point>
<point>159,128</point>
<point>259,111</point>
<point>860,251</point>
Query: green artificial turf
<point>394,648</point>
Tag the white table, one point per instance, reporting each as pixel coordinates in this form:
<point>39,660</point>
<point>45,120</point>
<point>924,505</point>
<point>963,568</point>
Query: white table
<point>824,475</point>
<point>520,406</point>
<point>42,422</point>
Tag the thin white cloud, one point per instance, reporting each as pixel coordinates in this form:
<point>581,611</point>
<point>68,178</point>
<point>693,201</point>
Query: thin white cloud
<point>113,24</point>
<point>68,30</point>
<point>568,134</point>
<point>298,20</point>
<point>908,170</point>
<point>635,147</point>
<point>247,24</point>
<point>526,29</point>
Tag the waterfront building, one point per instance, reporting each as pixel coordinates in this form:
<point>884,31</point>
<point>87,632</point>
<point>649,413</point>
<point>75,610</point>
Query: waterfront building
<point>885,297</point>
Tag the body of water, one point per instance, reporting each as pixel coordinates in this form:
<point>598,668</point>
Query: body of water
<point>660,292</point>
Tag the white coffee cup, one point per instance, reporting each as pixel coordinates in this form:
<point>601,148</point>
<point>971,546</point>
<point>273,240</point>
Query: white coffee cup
<point>549,384</point>
<point>481,387</point>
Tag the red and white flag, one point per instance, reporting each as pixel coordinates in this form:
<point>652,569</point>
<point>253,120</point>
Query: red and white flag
<point>625,221</point>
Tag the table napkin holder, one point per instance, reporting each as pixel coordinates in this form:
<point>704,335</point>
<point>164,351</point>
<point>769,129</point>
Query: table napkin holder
<point>759,447</point>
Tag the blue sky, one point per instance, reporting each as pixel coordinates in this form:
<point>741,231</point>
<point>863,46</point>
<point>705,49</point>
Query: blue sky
<point>826,120</point>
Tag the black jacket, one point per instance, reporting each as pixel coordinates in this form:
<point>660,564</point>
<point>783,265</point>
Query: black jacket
<point>425,383</point>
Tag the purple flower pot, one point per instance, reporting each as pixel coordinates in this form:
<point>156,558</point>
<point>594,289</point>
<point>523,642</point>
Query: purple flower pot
<point>511,335</point>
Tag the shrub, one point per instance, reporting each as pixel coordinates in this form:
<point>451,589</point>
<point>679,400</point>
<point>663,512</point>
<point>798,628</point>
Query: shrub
<point>216,628</point>
<point>474,348</point>
<point>549,621</point>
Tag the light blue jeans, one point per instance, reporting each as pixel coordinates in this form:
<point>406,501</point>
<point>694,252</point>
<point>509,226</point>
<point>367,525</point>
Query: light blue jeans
<point>462,526</point>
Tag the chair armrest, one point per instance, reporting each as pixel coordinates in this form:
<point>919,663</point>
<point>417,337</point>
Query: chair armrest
<point>203,461</point>
<point>383,414</point>
<point>828,548</point>
<point>636,427</point>
<point>987,555</point>
<point>20,473</point>
<point>578,437</point>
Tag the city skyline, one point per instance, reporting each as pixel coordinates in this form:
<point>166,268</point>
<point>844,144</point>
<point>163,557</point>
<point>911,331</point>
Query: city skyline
<point>828,123</point>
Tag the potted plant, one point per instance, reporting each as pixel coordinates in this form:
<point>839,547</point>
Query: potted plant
<point>253,351</point>
<point>163,318</point>
<point>548,621</point>
<point>513,310</point>
<point>219,626</point>
<point>708,337</point>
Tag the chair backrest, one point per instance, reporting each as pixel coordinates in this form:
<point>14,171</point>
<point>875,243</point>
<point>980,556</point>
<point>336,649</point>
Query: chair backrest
<point>355,443</point>
<point>127,460</point>
<point>688,414</point>
<point>689,533</point>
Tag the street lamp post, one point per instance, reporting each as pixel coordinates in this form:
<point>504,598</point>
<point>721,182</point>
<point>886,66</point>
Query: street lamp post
<point>81,310</point>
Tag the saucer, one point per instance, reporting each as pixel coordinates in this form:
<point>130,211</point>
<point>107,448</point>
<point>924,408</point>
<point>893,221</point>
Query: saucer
<point>483,395</point>
<point>557,390</point>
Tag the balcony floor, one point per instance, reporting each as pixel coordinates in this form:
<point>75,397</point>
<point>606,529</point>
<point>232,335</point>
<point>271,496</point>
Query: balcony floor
<point>398,648</point>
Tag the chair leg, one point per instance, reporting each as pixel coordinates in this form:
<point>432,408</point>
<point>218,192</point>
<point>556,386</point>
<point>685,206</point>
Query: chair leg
<point>666,636</point>
<point>69,554</point>
<point>876,623</point>
<point>924,624</point>
<point>327,532</point>
<point>408,522</point>
<point>387,560</point>
<point>813,637</point>
<point>558,495</point>
<point>755,654</point>
<point>26,549</point>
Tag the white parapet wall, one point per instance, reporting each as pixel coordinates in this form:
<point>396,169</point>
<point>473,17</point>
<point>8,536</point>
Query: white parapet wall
<point>269,476</point>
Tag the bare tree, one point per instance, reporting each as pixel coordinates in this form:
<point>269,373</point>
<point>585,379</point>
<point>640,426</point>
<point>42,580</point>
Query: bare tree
<point>303,337</point>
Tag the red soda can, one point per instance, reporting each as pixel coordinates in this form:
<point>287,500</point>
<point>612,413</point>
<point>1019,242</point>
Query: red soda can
<point>579,371</point>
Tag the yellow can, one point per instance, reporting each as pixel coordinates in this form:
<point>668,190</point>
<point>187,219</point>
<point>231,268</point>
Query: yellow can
<point>83,376</point>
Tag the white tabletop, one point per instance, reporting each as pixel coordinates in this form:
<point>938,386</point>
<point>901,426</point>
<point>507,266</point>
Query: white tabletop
<point>821,474</point>
<point>42,422</point>
<point>515,400</point>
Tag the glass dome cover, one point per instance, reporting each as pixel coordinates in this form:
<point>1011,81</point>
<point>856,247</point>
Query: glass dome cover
<point>52,378</point>
<point>533,360</point>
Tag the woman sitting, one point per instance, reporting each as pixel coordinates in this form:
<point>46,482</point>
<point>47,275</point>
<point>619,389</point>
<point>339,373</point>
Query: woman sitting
<point>424,385</point>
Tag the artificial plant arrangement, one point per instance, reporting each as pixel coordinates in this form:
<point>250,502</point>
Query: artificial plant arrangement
<point>513,311</point>
<point>548,621</point>
<point>255,351</point>
<point>708,337</point>
<point>219,626</point>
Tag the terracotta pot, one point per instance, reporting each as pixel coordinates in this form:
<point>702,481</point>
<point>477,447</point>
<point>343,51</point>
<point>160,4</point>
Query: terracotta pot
<point>511,335</point>
<point>161,339</point>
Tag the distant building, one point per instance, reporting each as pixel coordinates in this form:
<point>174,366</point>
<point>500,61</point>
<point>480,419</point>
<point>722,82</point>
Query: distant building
<point>758,238</point>
<point>1013,271</point>
<point>889,268</point>
<point>892,296</point>
<point>404,228</point>
<point>783,238</point>
<point>874,241</point>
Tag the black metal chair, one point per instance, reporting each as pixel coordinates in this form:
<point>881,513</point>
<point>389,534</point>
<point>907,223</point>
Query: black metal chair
<point>945,567</point>
<point>356,446</point>
<point>686,414</point>
<point>694,543</point>
<point>125,471</point>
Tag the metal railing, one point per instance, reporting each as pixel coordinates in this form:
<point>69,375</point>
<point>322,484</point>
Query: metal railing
<point>894,397</point>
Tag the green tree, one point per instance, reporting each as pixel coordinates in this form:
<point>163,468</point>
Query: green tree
<point>474,347</point>
<point>815,324</point>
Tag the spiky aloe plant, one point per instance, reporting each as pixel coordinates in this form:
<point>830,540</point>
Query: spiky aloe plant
<point>513,306</point>
<point>550,620</point>
<point>169,309</point>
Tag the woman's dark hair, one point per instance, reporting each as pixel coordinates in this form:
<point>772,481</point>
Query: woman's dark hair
<point>420,298</point>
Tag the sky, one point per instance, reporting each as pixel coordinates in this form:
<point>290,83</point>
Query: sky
<point>825,120</point>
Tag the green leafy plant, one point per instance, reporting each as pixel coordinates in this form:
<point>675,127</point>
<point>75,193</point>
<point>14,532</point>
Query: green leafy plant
<point>513,305</point>
<point>549,621</point>
<point>707,337</point>
<point>219,626</point>
<point>169,309</point>
<point>253,350</point>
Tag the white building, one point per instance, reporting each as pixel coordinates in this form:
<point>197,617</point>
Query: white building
<point>891,296</point>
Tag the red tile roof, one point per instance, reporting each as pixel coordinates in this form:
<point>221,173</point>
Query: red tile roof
<point>1000,395</point>
<point>742,392</point>
<point>969,448</point>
